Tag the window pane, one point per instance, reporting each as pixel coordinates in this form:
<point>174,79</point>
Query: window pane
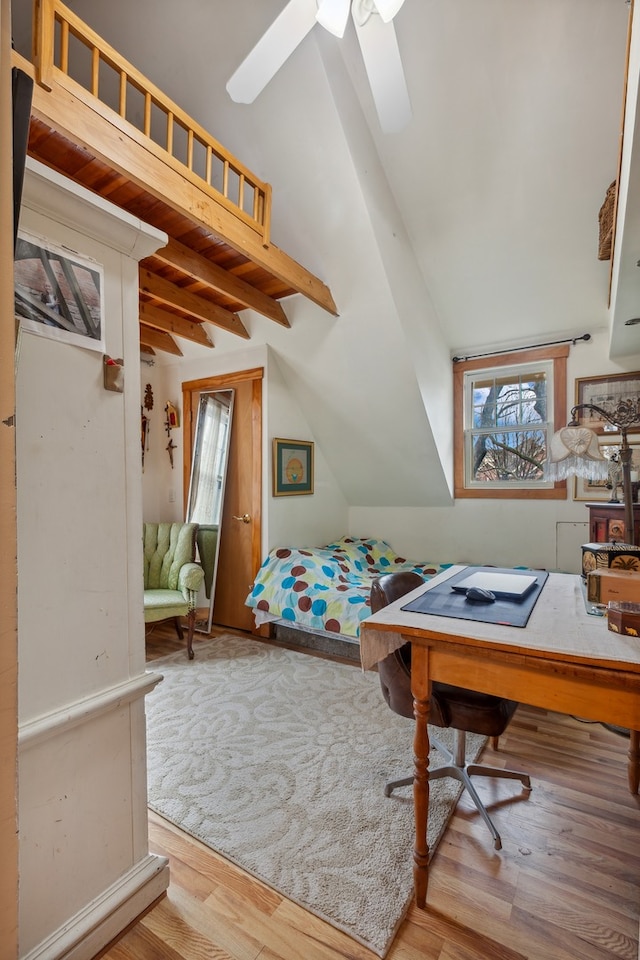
<point>513,456</point>
<point>509,401</point>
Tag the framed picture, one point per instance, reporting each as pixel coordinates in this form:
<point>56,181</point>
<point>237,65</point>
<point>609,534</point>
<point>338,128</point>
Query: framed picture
<point>58,294</point>
<point>173,416</point>
<point>608,392</point>
<point>292,467</point>
<point>596,490</point>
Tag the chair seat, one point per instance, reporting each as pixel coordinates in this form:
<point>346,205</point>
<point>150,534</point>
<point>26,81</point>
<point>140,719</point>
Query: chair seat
<point>163,604</point>
<point>465,709</point>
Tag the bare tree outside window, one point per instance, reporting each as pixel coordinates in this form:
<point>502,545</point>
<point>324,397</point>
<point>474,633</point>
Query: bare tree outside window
<point>509,429</point>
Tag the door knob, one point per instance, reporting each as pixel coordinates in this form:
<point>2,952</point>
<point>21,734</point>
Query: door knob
<point>245,518</point>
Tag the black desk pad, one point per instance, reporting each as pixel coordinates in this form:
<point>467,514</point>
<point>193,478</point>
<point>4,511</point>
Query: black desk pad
<point>442,601</point>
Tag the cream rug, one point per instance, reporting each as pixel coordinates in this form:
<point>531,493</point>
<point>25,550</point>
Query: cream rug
<point>278,760</point>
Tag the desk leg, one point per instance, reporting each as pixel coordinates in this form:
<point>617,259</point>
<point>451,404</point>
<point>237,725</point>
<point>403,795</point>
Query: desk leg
<point>634,761</point>
<point>421,688</point>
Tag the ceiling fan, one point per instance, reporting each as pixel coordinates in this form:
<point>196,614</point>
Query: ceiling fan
<point>378,44</point>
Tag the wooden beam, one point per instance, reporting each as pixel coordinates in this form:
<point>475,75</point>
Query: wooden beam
<point>188,261</point>
<point>149,337</point>
<point>167,292</point>
<point>102,132</point>
<point>170,323</point>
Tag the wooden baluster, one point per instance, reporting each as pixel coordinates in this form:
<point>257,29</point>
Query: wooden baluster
<point>64,46</point>
<point>170,119</point>
<point>266,215</point>
<point>122,100</point>
<point>241,191</point>
<point>95,72</point>
<point>147,115</point>
<point>225,179</point>
<point>208,162</point>
<point>190,149</point>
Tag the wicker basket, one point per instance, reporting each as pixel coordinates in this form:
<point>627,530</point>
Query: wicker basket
<point>605,219</point>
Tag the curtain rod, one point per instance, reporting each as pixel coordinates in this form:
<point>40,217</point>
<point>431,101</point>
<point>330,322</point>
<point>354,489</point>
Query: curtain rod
<point>533,346</point>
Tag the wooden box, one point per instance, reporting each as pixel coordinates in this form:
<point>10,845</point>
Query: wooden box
<point>624,617</point>
<point>605,585</point>
<point>605,556</point>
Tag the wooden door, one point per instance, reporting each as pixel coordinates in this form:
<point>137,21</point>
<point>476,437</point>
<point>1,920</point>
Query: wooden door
<point>240,532</point>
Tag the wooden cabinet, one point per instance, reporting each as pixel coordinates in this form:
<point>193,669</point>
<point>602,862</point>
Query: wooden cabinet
<point>606,523</point>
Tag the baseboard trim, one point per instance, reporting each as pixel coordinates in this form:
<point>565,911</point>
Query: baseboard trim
<point>333,644</point>
<point>101,921</point>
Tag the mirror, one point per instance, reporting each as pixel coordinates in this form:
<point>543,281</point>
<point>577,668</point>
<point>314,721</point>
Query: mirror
<point>206,486</point>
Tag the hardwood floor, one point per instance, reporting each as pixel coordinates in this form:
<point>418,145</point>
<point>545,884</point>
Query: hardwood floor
<point>565,886</point>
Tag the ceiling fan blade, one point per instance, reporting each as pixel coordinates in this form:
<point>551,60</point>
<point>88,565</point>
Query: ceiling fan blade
<point>333,16</point>
<point>274,47</point>
<point>383,64</point>
<point>388,8</point>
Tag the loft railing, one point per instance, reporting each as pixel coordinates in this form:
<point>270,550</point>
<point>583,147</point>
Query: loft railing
<point>67,52</point>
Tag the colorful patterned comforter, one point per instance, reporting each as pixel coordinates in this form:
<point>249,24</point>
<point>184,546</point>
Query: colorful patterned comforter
<point>326,588</point>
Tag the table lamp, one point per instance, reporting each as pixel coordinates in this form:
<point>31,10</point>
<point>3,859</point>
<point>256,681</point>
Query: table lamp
<point>574,451</point>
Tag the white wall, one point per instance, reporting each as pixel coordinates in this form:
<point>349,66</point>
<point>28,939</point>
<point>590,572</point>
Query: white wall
<point>313,519</point>
<point>158,481</point>
<point>501,532</point>
<point>85,867</point>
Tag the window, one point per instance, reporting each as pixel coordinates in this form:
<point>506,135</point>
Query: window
<point>505,409</point>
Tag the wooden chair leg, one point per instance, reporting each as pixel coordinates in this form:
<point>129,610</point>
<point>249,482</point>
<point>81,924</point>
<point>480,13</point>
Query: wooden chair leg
<point>191,622</point>
<point>634,761</point>
<point>494,742</point>
<point>178,625</point>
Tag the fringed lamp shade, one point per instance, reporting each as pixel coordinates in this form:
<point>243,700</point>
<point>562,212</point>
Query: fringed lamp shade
<point>575,452</point>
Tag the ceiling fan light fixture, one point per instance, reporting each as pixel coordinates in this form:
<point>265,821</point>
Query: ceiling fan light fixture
<point>333,16</point>
<point>388,8</point>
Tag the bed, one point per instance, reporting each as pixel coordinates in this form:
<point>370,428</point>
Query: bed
<point>326,588</point>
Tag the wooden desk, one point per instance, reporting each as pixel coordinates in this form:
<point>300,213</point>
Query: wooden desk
<point>563,660</point>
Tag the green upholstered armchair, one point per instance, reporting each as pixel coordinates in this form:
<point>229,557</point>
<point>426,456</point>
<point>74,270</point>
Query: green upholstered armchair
<point>172,578</point>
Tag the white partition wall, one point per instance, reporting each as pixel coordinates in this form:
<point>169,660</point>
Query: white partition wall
<point>85,867</point>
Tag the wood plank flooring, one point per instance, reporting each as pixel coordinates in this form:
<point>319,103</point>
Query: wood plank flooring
<point>565,886</point>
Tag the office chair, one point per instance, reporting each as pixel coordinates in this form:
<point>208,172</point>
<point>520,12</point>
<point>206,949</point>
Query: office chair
<point>463,710</point>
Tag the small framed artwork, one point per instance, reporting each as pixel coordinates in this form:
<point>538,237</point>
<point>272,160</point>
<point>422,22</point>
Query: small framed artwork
<point>596,490</point>
<point>292,467</point>
<point>59,294</point>
<point>609,392</point>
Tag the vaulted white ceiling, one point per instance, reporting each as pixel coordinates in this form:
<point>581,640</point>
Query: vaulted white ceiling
<point>475,227</point>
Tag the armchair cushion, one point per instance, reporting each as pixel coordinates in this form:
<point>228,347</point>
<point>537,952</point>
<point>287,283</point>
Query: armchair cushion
<point>167,546</point>
<point>163,604</point>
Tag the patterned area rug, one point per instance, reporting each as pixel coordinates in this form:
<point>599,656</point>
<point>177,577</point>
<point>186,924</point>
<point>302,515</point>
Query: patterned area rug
<point>277,760</point>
